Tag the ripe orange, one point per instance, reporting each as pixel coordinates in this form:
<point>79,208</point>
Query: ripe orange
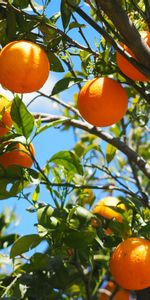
<point>95,223</point>
<point>102,101</point>
<point>122,295</point>
<point>119,295</point>
<point>102,208</point>
<point>130,264</point>
<point>126,67</point>
<point>19,155</point>
<point>24,67</point>
<point>6,121</point>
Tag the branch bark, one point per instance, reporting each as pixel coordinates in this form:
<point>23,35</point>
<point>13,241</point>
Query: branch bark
<point>127,29</point>
<point>116,45</point>
<point>124,148</point>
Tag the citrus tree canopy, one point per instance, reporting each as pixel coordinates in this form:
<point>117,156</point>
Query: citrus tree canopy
<point>75,73</point>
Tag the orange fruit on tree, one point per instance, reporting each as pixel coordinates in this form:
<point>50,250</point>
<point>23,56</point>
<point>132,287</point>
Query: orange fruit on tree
<point>17,155</point>
<point>24,66</point>
<point>5,121</point>
<point>126,67</point>
<point>103,208</point>
<point>120,294</point>
<point>95,223</point>
<point>102,101</point>
<point>130,263</point>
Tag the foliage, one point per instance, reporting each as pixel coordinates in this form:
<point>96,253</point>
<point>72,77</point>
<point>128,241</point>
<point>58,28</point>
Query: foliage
<point>81,42</point>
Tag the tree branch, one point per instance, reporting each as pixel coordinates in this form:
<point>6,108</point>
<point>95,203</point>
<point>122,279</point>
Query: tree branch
<point>127,29</point>
<point>111,40</point>
<point>116,142</point>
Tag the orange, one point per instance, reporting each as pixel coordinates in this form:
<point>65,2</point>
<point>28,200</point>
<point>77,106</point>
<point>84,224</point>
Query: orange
<point>122,295</point>
<point>5,121</point>
<point>126,67</point>
<point>119,295</point>
<point>102,208</point>
<point>102,101</point>
<point>18,155</point>
<point>95,223</point>
<point>24,67</point>
<point>130,263</point>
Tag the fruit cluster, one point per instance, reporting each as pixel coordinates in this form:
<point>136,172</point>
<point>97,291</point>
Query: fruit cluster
<point>24,69</point>
<point>103,101</point>
<point>130,261</point>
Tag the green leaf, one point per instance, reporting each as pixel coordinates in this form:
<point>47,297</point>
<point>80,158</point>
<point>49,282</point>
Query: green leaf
<point>23,119</point>
<point>110,153</point>
<point>21,4</point>
<point>7,240</point>
<point>60,86</point>
<point>11,22</point>
<point>55,63</point>
<point>51,124</point>
<point>44,213</point>
<point>24,244</point>
<point>69,160</point>
<point>85,55</point>
<point>39,261</point>
<point>83,213</point>
<point>11,182</point>
<point>65,13</point>
<point>37,5</point>
<point>74,2</point>
<point>80,239</point>
<point>64,84</point>
<point>36,193</point>
<point>145,229</point>
<point>76,25</point>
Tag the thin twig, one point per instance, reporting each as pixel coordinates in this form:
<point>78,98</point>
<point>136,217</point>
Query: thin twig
<point>62,103</point>
<point>82,34</point>
<point>139,44</point>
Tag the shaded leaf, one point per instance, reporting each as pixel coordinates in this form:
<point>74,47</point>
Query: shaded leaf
<point>64,84</point>
<point>44,213</point>
<point>145,229</point>
<point>69,160</point>
<point>39,261</point>
<point>65,13</point>
<point>23,119</point>
<point>11,23</point>
<point>21,4</point>
<point>80,239</point>
<point>11,180</point>
<point>55,63</point>
<point>75,25</point>
<point>24,244</point>
<point>60,86</point>
<point>7,240</point>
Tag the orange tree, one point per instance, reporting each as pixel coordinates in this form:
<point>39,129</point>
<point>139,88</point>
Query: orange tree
<point>80,38</point>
